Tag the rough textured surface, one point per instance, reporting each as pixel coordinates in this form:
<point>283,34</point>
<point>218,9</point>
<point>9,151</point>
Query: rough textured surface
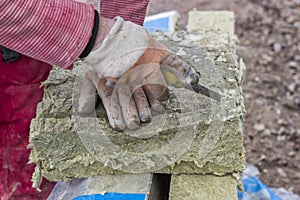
<point>269,35</point>
<point>126,183</point>
<point>195,135</point>
<point>211,20</point>
<point>208,187</point>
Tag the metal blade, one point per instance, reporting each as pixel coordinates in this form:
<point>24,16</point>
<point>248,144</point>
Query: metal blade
<point>174,81</point>
<point>198,88</point>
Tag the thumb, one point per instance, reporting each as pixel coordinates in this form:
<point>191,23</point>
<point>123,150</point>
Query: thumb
<point>183,71</point>
<point>88,96</point>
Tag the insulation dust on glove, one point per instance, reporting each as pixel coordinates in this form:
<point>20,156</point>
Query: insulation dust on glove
<point>126,72</point>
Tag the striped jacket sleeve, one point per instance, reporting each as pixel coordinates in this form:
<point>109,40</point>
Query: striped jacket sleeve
<point>53,31</point>
<point>129,10</point>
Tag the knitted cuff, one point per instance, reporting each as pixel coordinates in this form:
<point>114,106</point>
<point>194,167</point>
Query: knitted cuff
<point>92,40</point>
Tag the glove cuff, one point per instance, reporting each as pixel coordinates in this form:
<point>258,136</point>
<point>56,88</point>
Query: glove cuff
<point>120,50</point>
<point>92,40</point>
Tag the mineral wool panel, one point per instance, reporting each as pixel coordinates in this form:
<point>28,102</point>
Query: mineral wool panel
<point>195,134</point>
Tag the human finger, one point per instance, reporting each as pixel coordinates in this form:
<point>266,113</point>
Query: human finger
<point>180,68</point>
<point>156,105</point>
<point>111,105</point>
<point>157,84</point>
<point>142,105</point>
<point>128,107</point>
<point>87,97</point>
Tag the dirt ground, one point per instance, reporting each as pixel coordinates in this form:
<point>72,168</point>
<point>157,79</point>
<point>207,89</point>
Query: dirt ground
<point>269,34</point>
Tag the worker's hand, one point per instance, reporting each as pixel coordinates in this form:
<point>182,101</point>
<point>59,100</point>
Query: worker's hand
<point>130,100</point>
<point>121,45</point>
<point>126,72</point>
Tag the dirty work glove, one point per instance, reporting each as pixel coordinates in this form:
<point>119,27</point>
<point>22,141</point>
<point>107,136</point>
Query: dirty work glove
<point>125,70</point>
<point>130,100</point>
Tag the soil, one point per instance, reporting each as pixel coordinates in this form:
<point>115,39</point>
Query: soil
<point>269,35</point>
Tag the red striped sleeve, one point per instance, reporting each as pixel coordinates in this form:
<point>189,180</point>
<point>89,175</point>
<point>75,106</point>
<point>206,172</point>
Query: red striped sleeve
<point>53,31</point>
<point>129,10</point>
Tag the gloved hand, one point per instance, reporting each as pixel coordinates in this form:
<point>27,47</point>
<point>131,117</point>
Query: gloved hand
<point>125,70</point>
<point>130,100</point>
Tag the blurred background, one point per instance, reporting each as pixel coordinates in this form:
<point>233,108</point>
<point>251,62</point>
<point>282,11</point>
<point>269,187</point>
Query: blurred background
<point>269,42</point>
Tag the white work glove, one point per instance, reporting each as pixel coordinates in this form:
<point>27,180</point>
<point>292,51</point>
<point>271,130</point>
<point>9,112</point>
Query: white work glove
<point>126,73</point>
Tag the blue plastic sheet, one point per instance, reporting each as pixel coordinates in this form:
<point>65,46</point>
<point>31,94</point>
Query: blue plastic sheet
<point>165,22</point>
<point>159,24</point>
<point>254,189</point>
